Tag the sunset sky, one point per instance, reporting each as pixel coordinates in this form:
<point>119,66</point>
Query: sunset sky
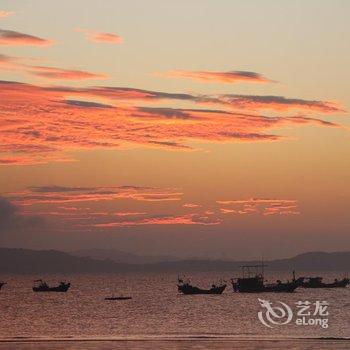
<point>189,128</point>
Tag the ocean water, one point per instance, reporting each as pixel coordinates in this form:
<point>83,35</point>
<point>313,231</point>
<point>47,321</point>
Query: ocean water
<point>158,314</point>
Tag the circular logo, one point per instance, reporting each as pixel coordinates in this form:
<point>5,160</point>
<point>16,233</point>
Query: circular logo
<point>274,315</point>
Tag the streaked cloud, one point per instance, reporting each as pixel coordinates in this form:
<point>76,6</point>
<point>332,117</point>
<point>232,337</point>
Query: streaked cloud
<point>55,73</point>
<point>4,13</point>
<point>63,194</point>
<point>237,102</point>
<point>191,205</point>
<point>42,124</point>
<point>279,103</point>
<point>232,77</point>
<point>64,74</point>
<point>54,204</point>
<point>101,37</point>
<point>264,206</point>
<point>189,219</point>
<point>13,38</point>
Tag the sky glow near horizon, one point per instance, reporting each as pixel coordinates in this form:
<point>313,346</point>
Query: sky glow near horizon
<point>216,129</point>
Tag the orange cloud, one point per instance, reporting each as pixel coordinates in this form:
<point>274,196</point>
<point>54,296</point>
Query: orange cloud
<point>225,77</point>
<point>191,205</point>
<point>11,37</point>
<point>279,103</point>
<point>14,160</point>
<point>264,206</point>
<point>102,37</point>
<point>41,124</point>
<point>192,219</point>
<point>64,74</point>
<point>15,63</point>
<point>50,203</point>
<point>62,194</point>
<point>5,13</point>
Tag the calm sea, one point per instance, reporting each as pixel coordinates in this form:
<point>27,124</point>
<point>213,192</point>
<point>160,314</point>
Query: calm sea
<point>159,317</point>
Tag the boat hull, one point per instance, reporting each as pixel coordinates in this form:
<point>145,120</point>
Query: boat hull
<point>118,298</point>
<point>256,285</point>
<point>340,284</point>
<point>190,290</point>
<point>59,289</point>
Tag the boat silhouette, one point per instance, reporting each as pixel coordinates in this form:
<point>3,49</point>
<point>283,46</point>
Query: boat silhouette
<point>118,298</point>
<point>187,288</point>
<point>254,282</point>
<point>316,282</point>
<point>42,286</point>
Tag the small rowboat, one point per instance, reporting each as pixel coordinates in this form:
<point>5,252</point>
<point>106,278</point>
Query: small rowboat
<point>118,298</point>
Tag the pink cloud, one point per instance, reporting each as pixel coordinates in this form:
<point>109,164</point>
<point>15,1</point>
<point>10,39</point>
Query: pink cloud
<point>5,13</point>
<point>191,219</point>
<point>13,38</point>
<point>224,77</point>
<point>102,37</point>
<point>264,206</point>
<point>191,205</point>
<point>16,63</point>
<point>62,194</point>
<point>279,103</point>
<point>40,124</point>
<point>64,74</point>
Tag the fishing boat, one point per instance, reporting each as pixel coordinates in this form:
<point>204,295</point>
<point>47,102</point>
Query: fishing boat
<point>2,284</point>
<point>187,288</point>
<point>254,282</point>
<point>118,298</point>
<point>316,282</point>
<point>41,286</point>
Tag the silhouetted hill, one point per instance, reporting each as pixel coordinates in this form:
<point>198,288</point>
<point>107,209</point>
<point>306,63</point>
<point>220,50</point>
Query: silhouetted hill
<point>122,257</point>
<point>306,261</point>
<point>53,261</point>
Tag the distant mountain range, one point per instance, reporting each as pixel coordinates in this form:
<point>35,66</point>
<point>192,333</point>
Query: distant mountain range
<point>53,261</point>
<point>122,257</point>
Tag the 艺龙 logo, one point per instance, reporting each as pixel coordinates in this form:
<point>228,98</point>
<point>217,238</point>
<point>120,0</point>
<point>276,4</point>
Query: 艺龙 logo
<point>274,315</point>
<point>307,313</point>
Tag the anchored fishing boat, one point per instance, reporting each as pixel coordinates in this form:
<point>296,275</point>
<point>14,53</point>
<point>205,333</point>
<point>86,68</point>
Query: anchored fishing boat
<point>41,286</point>
<point>187,288</point>
<point>316,282</point>
<point>254,282</point>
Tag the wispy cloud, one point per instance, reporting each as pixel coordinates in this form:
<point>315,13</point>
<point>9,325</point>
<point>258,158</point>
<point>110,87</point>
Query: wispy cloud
<point>13,38</point>
<point>16,63</point>
<point>41,123</point>
<point>64,74</point>
<point>189,219</point>
<point>279,103</point>
<point>232,77</point>
<point>54,203</point>
<point>101,37</point>
<point>191,205</point>
<point>64,194</point>
<point>4,13</point>
<point>264,206</point>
